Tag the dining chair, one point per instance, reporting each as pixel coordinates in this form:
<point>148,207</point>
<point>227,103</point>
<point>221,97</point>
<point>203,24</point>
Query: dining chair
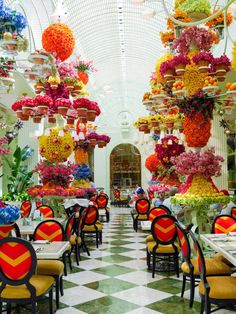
<point>219,290</point>
<point>91,224</point>
<point>38,204</point>
<point>189,266</point>
<point>46,211</point>
<point>224,224</point>
<point>25,209</point>
<point>18,284</point>
<point>72,235</point>
<point>7,230</point>
<point>164,233</point>
<point>142,207</point>
<point>233,212</point>
<point>102,202</point>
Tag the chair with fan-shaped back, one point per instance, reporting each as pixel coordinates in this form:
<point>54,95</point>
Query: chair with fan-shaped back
<point>224,224</point>
<point>38,204</point>
<point>18,284</point>
<point>25,209</point>
<point>91,224</point>
<point>150,195</point>
<point>233,212</point>
<point>116,194</point>
<point>142,207</point>
<point>164,246</point>
<point>102,202</point>
<point>9,230</point>
<point>217,290</point>
<point>46,211</point>
<point>189,267</point>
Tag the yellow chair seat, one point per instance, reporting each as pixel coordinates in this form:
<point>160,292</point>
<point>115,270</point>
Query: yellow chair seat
<point>220,287</point>
<point>162,249</point>
<point>49,267</point>
<point>213,267</point>
<point>221,258</point>
<point>41,284</point>
<point>149,238</point>
<point>74,239</point>
<point>140,217</point>
<point>92,228</point>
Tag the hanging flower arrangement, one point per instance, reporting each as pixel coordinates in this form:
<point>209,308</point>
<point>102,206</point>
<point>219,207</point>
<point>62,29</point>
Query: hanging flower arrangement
<point>196,10</point>
<point>152,163</point>
<point>193,37</point>
<point>59,39</point>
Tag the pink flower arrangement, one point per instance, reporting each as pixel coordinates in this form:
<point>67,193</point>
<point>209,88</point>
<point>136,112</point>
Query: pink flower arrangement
<point>159,188</point>
<point>165,66</point>
<point>180,59</point>
<point>55,173</point>
<point>84,66</point>
<point>81,103</point>
<point>27,102</point>
<point>41,191</point>
<point>3,150</point>
<point>43,100</point>
<point>104,138</point>
<point>223,60</point>
<point>168,148</point>
<point>198,36</point>
<point>92,135</point>
<point>94,106</point>
<point>206,163</point>
<point>17,106</point>
<point>153,76</point>
<point>203,56</point>
<point>67,69</point>
<point>63,102</point>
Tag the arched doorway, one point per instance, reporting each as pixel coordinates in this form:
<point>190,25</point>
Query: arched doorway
<point>125,167</point>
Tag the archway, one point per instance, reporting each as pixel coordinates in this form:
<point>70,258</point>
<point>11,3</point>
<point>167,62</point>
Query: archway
<point>125,167</point>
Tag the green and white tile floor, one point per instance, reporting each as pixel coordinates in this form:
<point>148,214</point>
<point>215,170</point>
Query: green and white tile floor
<point>115,279</point>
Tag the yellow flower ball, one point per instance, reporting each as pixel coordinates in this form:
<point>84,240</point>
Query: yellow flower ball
<point>162,59</point>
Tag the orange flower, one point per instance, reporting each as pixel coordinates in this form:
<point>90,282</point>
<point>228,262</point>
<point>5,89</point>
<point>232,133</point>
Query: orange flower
<point>219,20</point>
<point>178,15</point>
<point>59,39</point>
<point>167,37</point>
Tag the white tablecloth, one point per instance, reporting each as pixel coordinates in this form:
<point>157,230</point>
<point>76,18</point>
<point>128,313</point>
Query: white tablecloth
<point>84,202</point>
<point>51,250</point>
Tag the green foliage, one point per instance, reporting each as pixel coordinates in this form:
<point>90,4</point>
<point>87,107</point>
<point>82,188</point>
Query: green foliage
<point>20,178</point>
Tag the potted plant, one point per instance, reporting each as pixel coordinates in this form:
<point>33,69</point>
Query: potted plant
<point>93,111</point>
<point>62,105</point>
<point>54,81</point>
<point>217,22</point>
<point>92,138</point>
<point>81,105</point>
<point>70,82</point>
<point>51,119</point>
<point>84,68</point>
<point>179,62</point>
<point>220,66</point>
<point>39,57</point>
<point>28,105</point>
<point>43,104</point>
<point>203,60</point>
<point>167,70</point>
<point>178,89</point>
<point>40,84</point>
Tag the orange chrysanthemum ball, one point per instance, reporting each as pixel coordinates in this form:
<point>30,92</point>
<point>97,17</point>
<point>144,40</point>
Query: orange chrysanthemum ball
<point>59,38</point>
<point>152,163</point>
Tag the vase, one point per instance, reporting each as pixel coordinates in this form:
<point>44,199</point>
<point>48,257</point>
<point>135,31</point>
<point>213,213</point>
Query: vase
<point>51,119</point>
<point>169,124</point>
<point>101,143</point>
<point>62,110</point>
<point>180,69</point>
<point>155,124</point>
<point>11,47</point>
<point>42,109</point>
<point>143,127</point>
<point>197,130</point>
<point>93,141</point>
<point>82,112</point>
<point>39,87</point>
<point>70,120</point>
<point>220,72</point>
<point>91,115</point>
<point>147,131</point>
<point>54,86</point>
<point>27,111</point>
<point>203,66</point>
<point>19,114</point>
<point>38,60</point>
<point>69,87</point>
<point>37,119</point>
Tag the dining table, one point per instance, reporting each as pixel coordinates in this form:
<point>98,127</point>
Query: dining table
<point>83,202</point>
<point>223,243</point>
<point>50,250</point>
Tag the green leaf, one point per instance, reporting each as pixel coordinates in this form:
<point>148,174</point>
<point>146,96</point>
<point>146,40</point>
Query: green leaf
<point>27,152</point>
<point>17,154</point>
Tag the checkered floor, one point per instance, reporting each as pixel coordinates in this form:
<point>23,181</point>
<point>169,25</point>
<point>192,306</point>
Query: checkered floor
<point>115,279</point>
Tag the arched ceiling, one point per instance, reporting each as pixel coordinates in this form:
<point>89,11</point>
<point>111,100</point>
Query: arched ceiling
<point>113,33</point>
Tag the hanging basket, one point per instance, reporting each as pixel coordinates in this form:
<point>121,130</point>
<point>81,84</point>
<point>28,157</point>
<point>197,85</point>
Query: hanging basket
<point>62,110</point>
<point>143,127</point>
<point>91,115</point>
<point>101,144</point>
<point>51,119</point>
<point>197,16</point>
<point>37,119</point>
<point>42,109</point>
<point>82,112</point>
<point>27,111</point>
<point>70,120</point>
<point>203,66</point>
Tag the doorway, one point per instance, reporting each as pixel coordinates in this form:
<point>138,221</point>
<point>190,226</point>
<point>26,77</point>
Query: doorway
<point>125,167</point>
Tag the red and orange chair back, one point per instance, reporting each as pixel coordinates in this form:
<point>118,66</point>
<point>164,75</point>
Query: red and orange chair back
<point>224,224</point>
<point>233,212</point>
<point>46,211</point>
<point>150,195</point>
<point>91,215</point>
<point>184,243</point>
<point>116,194</point>
<point>102,201</point>
<point>17,262</point>
<point>5,231</point>
<point>142,206</point>
<point>164,230</point>
<point>25,208</point>
<point>157,211</point>
<point>50,230</point>
<point>70,226</point>
<point>38,204</point>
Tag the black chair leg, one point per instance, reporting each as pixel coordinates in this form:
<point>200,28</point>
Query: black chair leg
<point>8,308</point>
<point>77,254</point>
<point>183,286</point>
<point>153,264</point>
<point>0,307</point>
<point>57,291</point>
<point>85,247</point>
<point>177,264</point>
<point>192,291</point>
<point>100,237</point>
<point>64,261</point>
<point>97,239</point>
<point>61,286</point>
<point>33,308</point>
<point>202,306</point>
<point>69,261</point>
<point>50,302</point>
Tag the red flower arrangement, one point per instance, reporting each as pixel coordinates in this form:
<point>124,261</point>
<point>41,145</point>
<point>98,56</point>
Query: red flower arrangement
<point>62,105</point>
<point>168,148</point>
<point>203,56</point>
<point>27,102</point>
<point>180,59</point>
<point>94,106</point>
<point>41,191</point>
<point>200,37</point>
<point>92,135</point>
<point>197,130</point>
<point>152,163</point>
<point>58,38</point>
<point>43,100</point>
<point>222,62</point>
<point>104,138</point>
<point>81,103</point>
<point>167,67</point>
<point>206,163</point>
<point>17,106</point>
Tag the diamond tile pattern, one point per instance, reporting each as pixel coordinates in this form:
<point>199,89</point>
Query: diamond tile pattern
<point>111,280</point>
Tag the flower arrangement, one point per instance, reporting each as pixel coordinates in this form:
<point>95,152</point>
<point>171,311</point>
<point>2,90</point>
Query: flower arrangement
<point>82,172</point>
<point>63,103</point>
<point>220,63</point>
<point>152,163</point>
<point>55,173</point>
<point>169,147</point>
<point>180,60</point>
<point>67,69</point>
<point>147,96</point>
<point>180,16</point>
<point>43,103</point>
<point>16,106</point>
<point>8,213</point>
<point>84,66</point>
<point>201,8</point>
<point>27,101</point>
<point>92,135</point>
<point>162,59</point>
<point>16,20</point>
<point>167,37</point>
<point>167,67</point>
<point>81,103</point>
<point>159,188</point>
<point>193,79</point>
<point>199,102</point>
<point>219,19</point>
<point>104,138</point>
<point>93,106</point>
<point>3,150</point>
<point>197,36</point>
<point>59,39</point>
<point>44,191</point>
<point>203,58</point>
<point>205,163</point>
